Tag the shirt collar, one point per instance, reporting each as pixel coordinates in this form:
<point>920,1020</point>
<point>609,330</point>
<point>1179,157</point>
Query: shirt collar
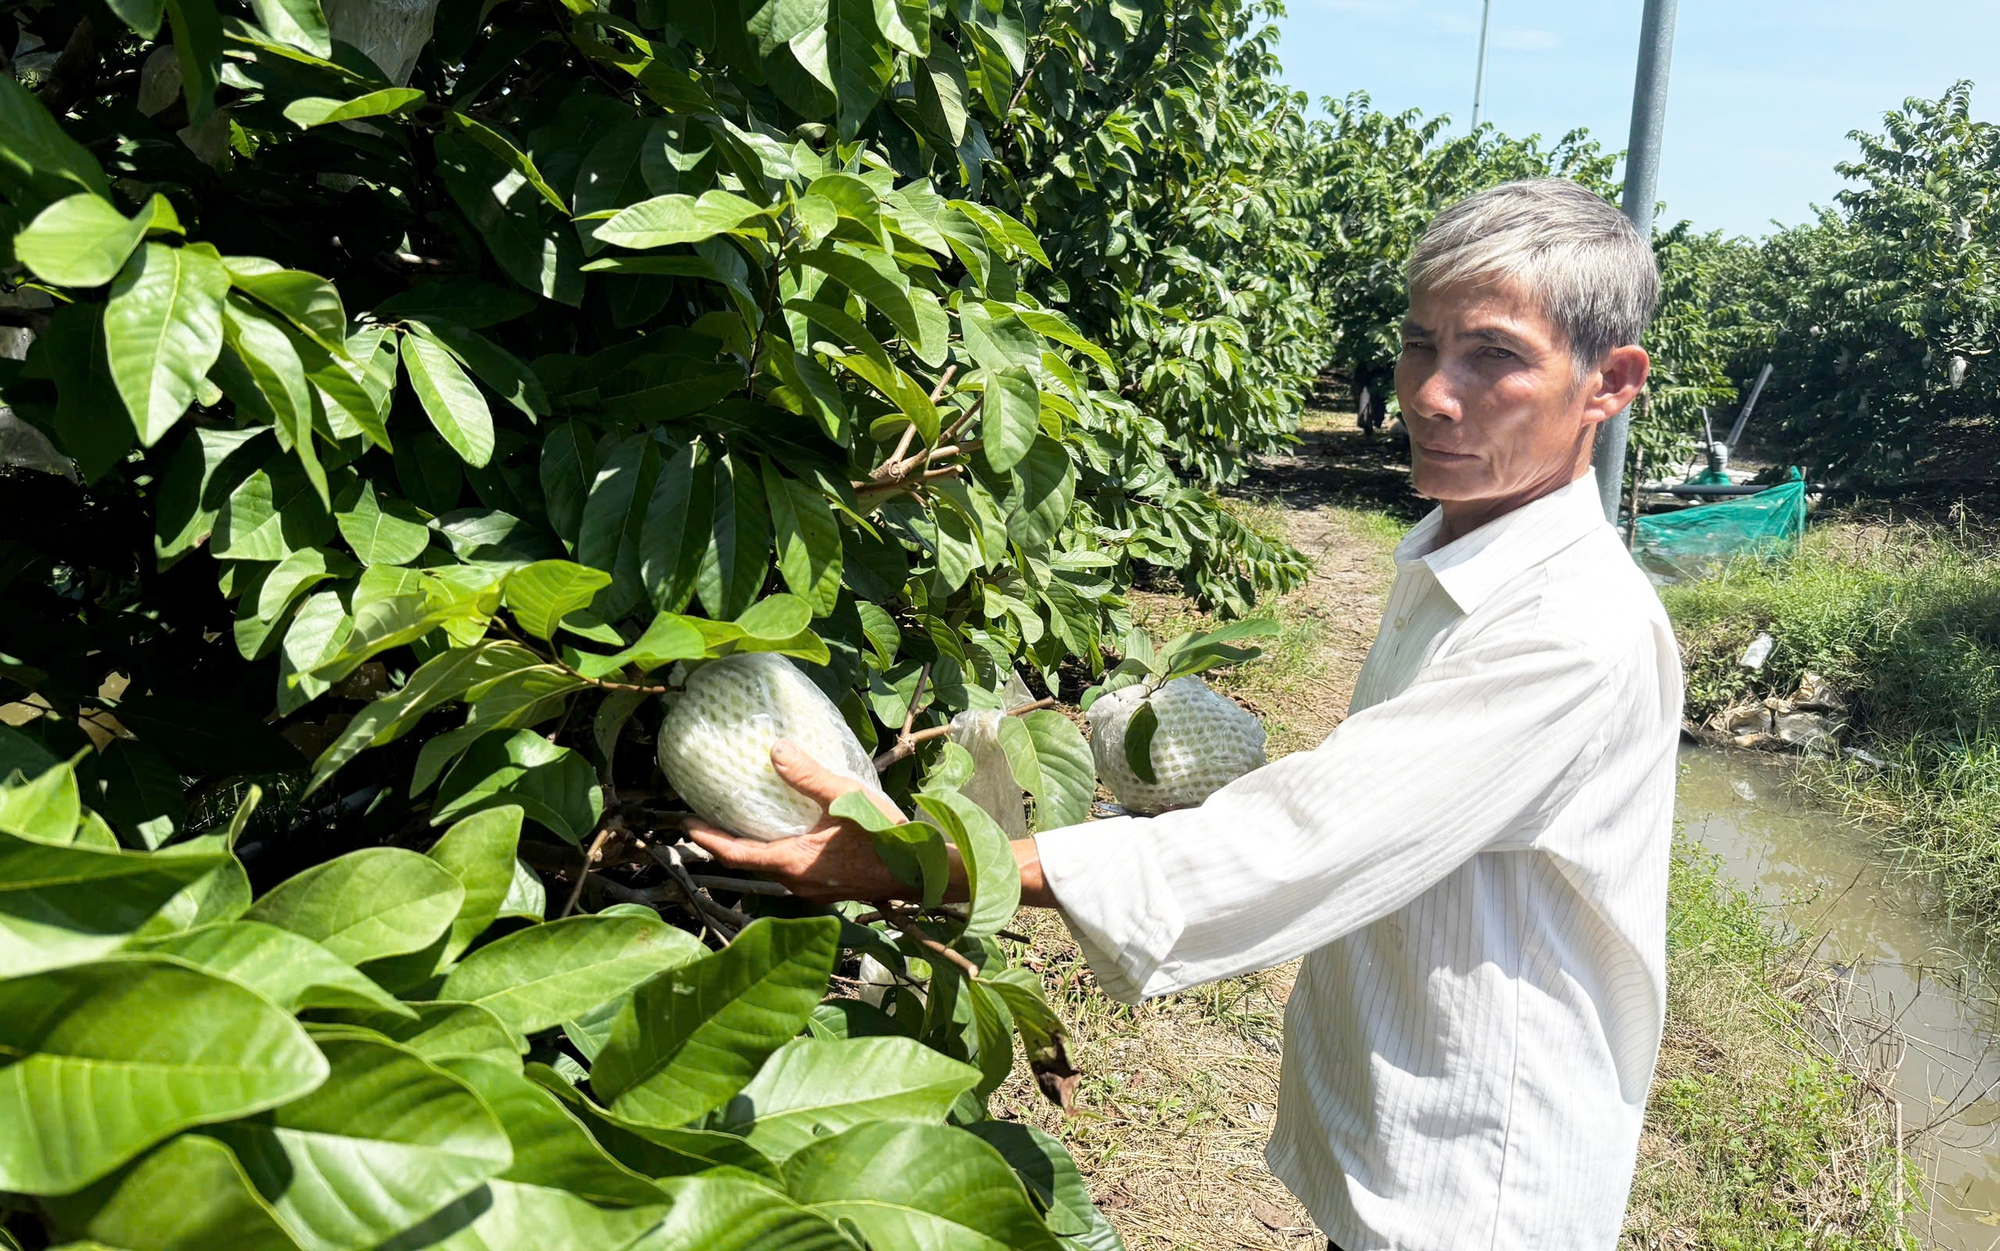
<point>1473,566</point>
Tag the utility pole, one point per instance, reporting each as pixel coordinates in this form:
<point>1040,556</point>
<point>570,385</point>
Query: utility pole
<point>1642,186</point>
<point>1479,77</point>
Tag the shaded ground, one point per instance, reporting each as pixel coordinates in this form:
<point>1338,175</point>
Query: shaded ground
<point>1179,1093</point>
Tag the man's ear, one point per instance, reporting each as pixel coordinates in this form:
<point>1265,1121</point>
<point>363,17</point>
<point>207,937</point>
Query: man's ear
<point>1611,388</point>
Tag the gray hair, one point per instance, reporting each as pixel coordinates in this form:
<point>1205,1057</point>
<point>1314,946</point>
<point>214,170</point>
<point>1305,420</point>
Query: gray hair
<point>1586,265</point>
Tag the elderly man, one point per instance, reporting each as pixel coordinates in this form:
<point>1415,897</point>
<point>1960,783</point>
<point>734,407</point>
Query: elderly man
<point>1474,864</point>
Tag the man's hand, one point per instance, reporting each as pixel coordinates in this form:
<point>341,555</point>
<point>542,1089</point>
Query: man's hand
<point>833,861</point>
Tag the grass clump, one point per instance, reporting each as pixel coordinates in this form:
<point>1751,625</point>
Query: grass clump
<point>1756,1136</point>
<point>1905,619</point>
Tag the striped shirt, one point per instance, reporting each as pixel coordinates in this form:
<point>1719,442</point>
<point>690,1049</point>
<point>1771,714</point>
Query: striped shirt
<point>1474,866</point>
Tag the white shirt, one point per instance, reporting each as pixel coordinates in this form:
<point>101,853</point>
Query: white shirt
<point>1475,868</point>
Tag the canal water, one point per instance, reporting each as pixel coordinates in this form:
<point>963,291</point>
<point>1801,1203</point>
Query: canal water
<point>1877,928</point>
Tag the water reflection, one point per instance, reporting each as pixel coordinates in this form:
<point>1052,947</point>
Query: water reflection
<point>1877,928</point>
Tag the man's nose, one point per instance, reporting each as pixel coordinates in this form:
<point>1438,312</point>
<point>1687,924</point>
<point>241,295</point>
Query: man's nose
<point>1436,397</point>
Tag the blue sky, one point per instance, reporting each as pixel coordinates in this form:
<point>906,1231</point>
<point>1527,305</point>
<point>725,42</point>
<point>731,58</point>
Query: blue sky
<point>1763,93</point>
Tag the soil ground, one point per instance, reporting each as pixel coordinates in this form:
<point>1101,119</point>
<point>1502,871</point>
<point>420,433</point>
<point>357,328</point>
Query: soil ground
<point>1179,1093</point>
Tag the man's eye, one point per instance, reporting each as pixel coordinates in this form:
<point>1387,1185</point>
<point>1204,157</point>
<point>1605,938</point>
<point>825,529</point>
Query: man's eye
<point>1416,347</point>
<point>1496,353</point>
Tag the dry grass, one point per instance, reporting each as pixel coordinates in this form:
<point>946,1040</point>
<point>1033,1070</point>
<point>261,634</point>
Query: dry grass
<point>1179,1093</point>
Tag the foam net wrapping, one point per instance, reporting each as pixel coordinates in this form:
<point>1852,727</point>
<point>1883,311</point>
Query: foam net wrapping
<point>715,744</point>
<point>992,786</point>
<point>1203,743</point>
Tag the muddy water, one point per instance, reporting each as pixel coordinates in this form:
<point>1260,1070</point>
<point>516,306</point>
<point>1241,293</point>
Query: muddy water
<point>1823,878</point>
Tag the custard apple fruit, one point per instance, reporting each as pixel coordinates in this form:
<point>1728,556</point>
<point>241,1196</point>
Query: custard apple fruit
<point>1203,743</point>
<point>715,744</point>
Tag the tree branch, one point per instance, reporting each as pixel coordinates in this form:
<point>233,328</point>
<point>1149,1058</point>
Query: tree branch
<point>906,742</point>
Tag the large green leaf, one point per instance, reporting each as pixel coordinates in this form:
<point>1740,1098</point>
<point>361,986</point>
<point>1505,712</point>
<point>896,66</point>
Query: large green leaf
<point>551,1147</point>
<point>811,1087</point>
<point>911,1187</point>
<point>514,1216</point>
<point>291,971</point>
<point>162,331</point>
<point>67,904</point>
<point>512,217</point>
<point>106,1059</point>
<point>1035,495</point>
<point>694,1036</point>
<point>724,1213</point>
<point>388,1140</point>
<point>675,531</point>
<point>38,161</point>
<point>652,1150</point>
<point>861,61</point>
<point>445,1031</point>
<point>546,974</point>
<point>739,548</point>
<point>81,241</point>
<point>1012,417</point>
<point>670,219</point>
<point>1063,776</point>
<point>614,518</point>
<point>382,530</point>
<point>453,403</point>
<point>299,23</point>
<point>309,111</point>
<point>992,873</point>
<point>555,786</point>
<point>1051,1177</point>
<point>379,901</point>
<point>189,1192</point>
<point>543,593</point>
<point>479,852</point>
<point>808,539</point>
<point>874,278</point>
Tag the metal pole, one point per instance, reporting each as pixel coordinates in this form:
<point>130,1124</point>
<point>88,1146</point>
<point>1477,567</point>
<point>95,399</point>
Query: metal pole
<point>1642,185</point>
<point>1479,78</point>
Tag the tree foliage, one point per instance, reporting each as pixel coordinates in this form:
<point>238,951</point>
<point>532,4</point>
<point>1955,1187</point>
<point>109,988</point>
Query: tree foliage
<point>1883,316</point>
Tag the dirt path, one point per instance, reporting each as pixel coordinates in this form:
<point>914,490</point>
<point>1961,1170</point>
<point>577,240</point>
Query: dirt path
<point>1179,1093</point>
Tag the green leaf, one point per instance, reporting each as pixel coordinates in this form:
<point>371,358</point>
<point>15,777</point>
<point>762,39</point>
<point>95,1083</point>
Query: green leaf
<point>81,241</point>
<point>1139,732</point>
<point>45,808</point>
<point>90,419</point>
<point>515,159</point>
<point>1064,780</point>
<point>568,467</point>
<point>941,90</point>
<point>694,1036</point>
<point>162,331</point>
<point>480,852</point>
<point>614,519</point>
<point>551,1147</point>
<point>526,896</point>
<point>991,871</point>
<point>547,974</point>
<point>444,1032</point>
<point>905,392</point>
<point>812,1087</point>
<point>879,283</point>
<point>917,1187</point>
<point>388,1140</point>
<point>67,904</point>
<point>109,1058</point>
<point>512,217</point>
<point>306,300</point>
<point>296,22</point>
<point>1042,1164</point>
<point>1011,419</point>
<point>382,531</point>
<point>862,62</point>
<point>1035,495</point>
<point>507,374</point>
<point>453,403</point>
<point>653,1150</point>
<point>555,786</point>
<point>306,112</point>
<point>38,161</point>
<point>379,901</point>
<point>516,1216</point>
<point>670,637</point>
<point>809,550</point>
<point>726,1213</point>
<point>906,24</point>
<point>197,45</point>
<point>291,971</point>
<point>738,556</point>
<point>669,219</point>
<point>453,674</point>
<point>675,532</point>
<point>189,1192</point>
<point>542,594</point>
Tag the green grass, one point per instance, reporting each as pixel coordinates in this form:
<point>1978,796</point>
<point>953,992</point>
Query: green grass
<point>1905,619</point>
<point>1756,1137</point>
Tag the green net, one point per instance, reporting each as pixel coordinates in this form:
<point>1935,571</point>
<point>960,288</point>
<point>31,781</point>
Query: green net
<point>1684,545</point>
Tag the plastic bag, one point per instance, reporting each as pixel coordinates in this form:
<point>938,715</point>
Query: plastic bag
<point>715,744</point>
<point>1203,743</point>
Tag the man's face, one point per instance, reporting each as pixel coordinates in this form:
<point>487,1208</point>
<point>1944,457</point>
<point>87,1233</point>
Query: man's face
<point>1494,404</point>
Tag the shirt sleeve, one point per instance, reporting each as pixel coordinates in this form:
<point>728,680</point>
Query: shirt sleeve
<point>1480,750</point>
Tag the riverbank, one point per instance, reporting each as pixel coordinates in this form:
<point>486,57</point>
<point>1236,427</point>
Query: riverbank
<point>1902,615</point>
<point>1756,1136</point>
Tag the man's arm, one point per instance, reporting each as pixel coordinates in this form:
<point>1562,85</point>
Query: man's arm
<point>836,859</point>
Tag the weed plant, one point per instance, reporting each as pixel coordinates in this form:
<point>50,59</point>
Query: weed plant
<point>1904,618</point>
